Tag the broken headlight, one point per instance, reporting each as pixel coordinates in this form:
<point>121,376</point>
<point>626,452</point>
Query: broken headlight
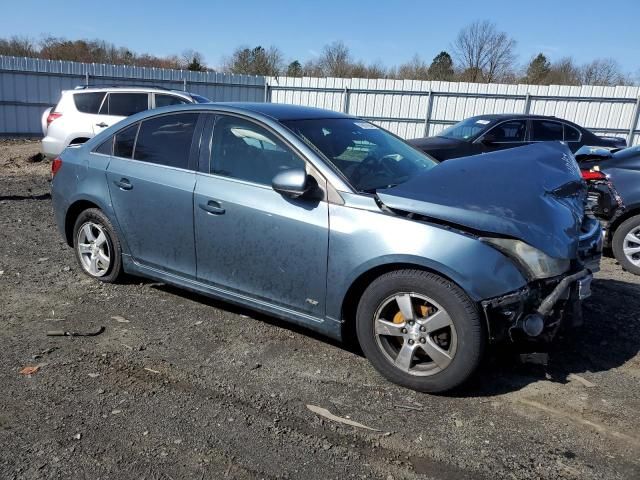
<point>535,263</point>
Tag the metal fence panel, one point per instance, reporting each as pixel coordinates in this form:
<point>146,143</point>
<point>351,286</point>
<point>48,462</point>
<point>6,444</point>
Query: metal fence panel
<point>29,85</point>
<point>412,108</point>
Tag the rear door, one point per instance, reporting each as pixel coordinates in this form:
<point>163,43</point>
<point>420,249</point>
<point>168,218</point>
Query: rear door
<point>88,105</point>
<point>119,105</point>
<point>547,131</point>
<point>151,179</point>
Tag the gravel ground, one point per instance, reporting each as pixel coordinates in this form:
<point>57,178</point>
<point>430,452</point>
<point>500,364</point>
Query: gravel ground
<point>182,386</point>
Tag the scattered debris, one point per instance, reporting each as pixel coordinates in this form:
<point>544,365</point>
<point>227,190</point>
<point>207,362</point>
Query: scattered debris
<point>43,259</point>
<point>93,375</point>
<point>77,436</point>
<point>30,370</point>
<point>323,412</point>
<point>537,358</point>
<point>126,346</point>
<point>115,412</point>
<point>199,322</point>
<point>458,423</point>
<point>582,380</point>
<point>62,333</point>
<point>1,272</point>
<point>256,366</point>
<point>151,370</point>
<point>119,319</point>
<point>409,407</point>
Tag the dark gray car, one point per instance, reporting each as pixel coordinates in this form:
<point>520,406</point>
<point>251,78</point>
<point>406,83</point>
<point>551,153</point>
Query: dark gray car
<point>330,222</point>
<point>489,133</point>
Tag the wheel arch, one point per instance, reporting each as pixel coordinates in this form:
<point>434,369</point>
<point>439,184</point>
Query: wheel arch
<point>631,212</point>
<point>73,212</point>
<point>363,280</point>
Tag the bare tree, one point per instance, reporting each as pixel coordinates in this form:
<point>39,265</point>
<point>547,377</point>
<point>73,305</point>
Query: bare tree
<point>193,60</point>
<point>484,53</point>
<point>18,47</point>
<point>335,60</point>
<point>414,69</point>
<point>602,71</point>
<point>564,72</point>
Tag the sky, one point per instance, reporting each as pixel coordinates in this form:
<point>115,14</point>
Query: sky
<point>390,32</point>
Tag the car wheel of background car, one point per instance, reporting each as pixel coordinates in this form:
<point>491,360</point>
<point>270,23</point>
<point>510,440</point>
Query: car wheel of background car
<point>626,244</point>
<point>420,330</point>
<point>97,246</point>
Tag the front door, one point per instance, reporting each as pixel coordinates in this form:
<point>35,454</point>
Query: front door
<point>509,134</point>
<point>249,238</point>
<point>151,184</point>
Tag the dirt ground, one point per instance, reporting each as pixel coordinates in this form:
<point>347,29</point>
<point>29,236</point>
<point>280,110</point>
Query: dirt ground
<point>182,386</point>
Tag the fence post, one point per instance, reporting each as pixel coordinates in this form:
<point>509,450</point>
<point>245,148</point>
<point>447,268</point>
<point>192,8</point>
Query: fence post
<point>86,78</point>
<point>427,115</point>
<point>634,122</point>
<point>527,104</point>
<point>184,84</point>
<point>345,100</point>
<point>267,96</point>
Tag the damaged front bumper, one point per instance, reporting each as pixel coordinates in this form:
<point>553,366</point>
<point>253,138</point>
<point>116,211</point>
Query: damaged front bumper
<point>537,311</point>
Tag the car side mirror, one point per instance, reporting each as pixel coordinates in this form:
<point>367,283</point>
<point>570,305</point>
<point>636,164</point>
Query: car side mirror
<point>291,183</point>
<point>488,139</point>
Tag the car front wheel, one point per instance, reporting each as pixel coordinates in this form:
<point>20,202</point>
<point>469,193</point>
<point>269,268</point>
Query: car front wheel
<point>626,244</point>
<point>97,246</point>
<point>420,331</point>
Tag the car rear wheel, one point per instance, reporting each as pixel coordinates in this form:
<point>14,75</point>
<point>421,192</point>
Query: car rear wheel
<point>420,330</point>
<point>97,246</point>
<point>626,244</point>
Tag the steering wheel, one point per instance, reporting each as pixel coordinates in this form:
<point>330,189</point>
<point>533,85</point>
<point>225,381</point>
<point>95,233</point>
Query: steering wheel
<point>373,164</point>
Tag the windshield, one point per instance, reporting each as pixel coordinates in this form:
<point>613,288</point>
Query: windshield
<point>466,129</point>
<point>369,157</point>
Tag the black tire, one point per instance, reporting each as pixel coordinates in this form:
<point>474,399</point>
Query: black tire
<point>95,216</point>
<point>618,244</point>
<point>461,310</point>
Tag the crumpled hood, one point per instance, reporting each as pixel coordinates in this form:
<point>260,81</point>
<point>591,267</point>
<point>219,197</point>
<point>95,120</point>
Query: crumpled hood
<point>533,193</point>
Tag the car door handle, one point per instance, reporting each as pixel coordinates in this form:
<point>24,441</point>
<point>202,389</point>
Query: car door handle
<point>213,207</point>
<point>123,184</point>
<point>101,125</point>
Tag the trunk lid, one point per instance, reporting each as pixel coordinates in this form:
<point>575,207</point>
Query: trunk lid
<point>533,193</point>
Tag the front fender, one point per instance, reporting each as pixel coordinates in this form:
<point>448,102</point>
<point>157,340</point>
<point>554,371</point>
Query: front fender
<point>361,240</point>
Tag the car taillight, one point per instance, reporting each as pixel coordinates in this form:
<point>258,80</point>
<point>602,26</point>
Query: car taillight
<point>52,116</point>
<point>55,166</point>
<point>592,175</point>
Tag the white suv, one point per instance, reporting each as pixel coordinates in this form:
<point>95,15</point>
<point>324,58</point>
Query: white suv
<point>86,111</point>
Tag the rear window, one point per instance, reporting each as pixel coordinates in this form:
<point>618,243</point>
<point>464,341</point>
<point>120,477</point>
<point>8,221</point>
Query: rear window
<point>88,102</point>
<point>125,141</point>
<point>166,100</point>
<point>125,104</point>
<point>166,140</point>
<point>546,131</point>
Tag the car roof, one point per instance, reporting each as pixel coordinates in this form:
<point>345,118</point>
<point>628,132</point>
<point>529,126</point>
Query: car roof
<point>279,111</point>
<point>515,116</point>
<point>130,88</point>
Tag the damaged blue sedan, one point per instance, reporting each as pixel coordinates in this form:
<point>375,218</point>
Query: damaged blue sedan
<point>331,222</point>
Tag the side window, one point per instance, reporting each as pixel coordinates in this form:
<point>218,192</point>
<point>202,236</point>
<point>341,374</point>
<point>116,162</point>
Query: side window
<point>88,102</point>
<point>106,147</point>
<point>125,104</point>
<point>125,141</point>
<point>166,140</point>
<point>571,134</point>
<point>165,100</point>
<point>547,131</point>
<point>513,131</point>
<point>246,151</point>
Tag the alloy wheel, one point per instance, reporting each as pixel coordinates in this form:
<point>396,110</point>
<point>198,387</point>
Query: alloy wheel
<point>631,246</point>
<point>415,333</point>
<point>93,249</point>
